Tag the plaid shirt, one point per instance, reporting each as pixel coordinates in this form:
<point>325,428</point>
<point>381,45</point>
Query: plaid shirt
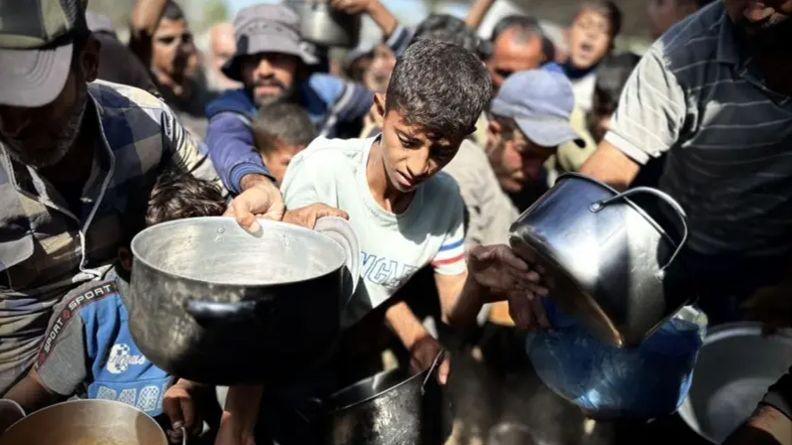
<point>46,249</point>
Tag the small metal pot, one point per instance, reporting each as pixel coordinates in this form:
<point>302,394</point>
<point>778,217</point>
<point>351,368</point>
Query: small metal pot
<point>322,25</point>
<point>605,258</point>
<point>210,302</point>
<point>735,367</point>
<point>389,408</point>
<point>86,422</point>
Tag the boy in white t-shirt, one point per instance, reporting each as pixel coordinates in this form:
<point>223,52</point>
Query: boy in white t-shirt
<point>405,212</point>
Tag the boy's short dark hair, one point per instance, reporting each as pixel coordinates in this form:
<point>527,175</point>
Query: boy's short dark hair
<point>440,87</point>
<point>282,121</point>
<point>179,195</point>
<point>608,9</point>
<point>447,28</point>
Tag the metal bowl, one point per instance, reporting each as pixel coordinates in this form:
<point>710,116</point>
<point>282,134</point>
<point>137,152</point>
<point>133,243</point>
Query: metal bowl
<point>735,367</point>
<point>86,422</point>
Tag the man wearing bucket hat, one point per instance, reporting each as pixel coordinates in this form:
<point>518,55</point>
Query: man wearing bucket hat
<point>273,64</point>
<point>77,157</point>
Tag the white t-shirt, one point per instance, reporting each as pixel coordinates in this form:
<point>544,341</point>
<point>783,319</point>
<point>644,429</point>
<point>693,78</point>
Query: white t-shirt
<point>393,246</point>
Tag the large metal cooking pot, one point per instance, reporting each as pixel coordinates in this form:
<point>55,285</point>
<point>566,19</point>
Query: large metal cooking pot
<point>735,367</point>
<point>389,408</point>
<point>605,257</point>
<point>213,303</point>
<point>86,422</point>
<point>325,26</point>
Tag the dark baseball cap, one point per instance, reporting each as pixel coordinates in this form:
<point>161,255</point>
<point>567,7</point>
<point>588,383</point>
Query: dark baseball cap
<point>36,48</point>
<point>540,101</point>
<point>264,29</point>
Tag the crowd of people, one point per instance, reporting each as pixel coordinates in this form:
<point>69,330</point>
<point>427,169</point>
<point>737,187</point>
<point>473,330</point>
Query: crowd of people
<point>431,143</point>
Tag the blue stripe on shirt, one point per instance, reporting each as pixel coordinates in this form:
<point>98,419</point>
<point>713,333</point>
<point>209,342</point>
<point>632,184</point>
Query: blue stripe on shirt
<point>451,246</point>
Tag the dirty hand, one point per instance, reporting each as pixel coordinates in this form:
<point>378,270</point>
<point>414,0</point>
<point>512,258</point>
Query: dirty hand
<point>307,216</point>
<point>260,199</point>
<point>504,275</point>
<point>423,353</point>
<point>179,406</point>
<point>351,6</point>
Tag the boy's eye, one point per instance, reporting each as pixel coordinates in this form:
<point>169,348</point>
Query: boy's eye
<point>408,143</point>
<point>166,40</point>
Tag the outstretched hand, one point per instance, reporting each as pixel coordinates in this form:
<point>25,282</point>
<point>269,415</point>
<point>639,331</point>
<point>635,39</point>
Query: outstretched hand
<point>260,199</point>
<point>503,275</point>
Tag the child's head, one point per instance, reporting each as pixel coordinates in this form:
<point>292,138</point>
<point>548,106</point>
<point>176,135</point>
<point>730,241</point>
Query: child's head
<point>280,131</point>
<point>611,77</point>
<point>592,32</point>
<point>436,94</point>
<point>178,195</point>
<point>175,195</point>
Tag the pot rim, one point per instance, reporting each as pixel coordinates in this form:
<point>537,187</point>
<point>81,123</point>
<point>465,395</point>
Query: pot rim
<point>627,200</point>
<point>89,402</point>
<point>263,223</point>
<point>714,335</point>
<point>421,374</point>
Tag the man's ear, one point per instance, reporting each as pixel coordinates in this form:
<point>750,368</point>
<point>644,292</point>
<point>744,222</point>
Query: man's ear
<point>89,59</point>
<point>379,108</point>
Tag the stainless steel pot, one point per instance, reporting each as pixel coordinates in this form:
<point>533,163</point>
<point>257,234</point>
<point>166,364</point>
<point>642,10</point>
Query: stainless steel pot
<point>210,302</point>
<point>86,422</point>
<point>605,257</point>
<point>325,26</point>
<point>735,367</point>
<point>389,408</point>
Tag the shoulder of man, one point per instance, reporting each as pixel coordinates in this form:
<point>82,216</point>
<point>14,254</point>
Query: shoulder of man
<point>694,39</point>
<point>327,86</point>
<point>73,308</point>
<point>117,96</point>
<point>234,101</point>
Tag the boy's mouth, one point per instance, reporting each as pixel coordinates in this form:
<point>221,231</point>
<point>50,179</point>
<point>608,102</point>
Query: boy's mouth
<point>405,181</point>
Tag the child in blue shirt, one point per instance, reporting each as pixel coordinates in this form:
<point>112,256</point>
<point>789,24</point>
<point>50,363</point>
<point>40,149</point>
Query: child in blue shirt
<point>88,350</point>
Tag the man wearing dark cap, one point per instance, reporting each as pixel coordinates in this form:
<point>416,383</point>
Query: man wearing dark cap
<point>77,158</point>
<point>273,64</point>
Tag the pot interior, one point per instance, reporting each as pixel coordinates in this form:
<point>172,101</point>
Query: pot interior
<point>86,422</point>
<point>217,250</point>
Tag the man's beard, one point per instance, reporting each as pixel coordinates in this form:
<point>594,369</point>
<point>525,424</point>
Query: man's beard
<point>774,34</point>
<point>286,95</point>
<point>60,146</point>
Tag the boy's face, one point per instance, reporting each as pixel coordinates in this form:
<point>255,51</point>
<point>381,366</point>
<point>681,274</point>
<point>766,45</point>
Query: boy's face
<point>589,39</point>
<point>277,160</point>
<point>411,154</point>
<point>516,160</point>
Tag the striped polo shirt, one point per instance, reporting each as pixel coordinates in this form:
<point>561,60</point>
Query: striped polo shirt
<point>47,248</point>
<point>698,96</point>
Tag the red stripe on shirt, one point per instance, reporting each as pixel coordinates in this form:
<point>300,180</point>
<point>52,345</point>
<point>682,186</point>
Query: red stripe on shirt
<point>459,257</point>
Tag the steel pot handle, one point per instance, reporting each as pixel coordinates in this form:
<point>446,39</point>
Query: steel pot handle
<point>435,364</point>
<point>599,205</point>
<point>211,312</point>
<point>340,231</point>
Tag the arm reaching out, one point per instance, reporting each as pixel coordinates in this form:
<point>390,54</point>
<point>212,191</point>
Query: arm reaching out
<point>477,13</point>
<point>376,10</point>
